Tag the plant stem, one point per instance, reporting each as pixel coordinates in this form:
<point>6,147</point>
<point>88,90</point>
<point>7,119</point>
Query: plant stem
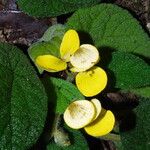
<point>70,76</point>
<point>111,136</point>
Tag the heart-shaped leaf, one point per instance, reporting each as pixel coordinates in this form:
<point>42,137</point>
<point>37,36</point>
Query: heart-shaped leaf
<point>23,101</point>
<point>112,27</point>
<point>42,8</point>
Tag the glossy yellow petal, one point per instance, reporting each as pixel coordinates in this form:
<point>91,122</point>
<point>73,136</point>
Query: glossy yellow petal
<point>98,107</point>
<point>85,57</point>
<point>102,125</point>
<point>70,43</point>
<point>79,113</point>
<point>51,63</point>
<point>91,82</point>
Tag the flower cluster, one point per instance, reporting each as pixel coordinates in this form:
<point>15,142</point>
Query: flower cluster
<point>89,115</point>
<point>90,79</point>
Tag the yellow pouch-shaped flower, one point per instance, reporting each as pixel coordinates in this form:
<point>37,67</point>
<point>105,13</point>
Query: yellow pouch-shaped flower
<point>102,125</point>
<point>79,113</point>
<point>91,82</point>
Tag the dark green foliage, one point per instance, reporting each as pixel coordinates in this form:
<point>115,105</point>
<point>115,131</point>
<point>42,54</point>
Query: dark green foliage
<point>129,71</point>
<point>42,8</point>
<point>118,145</point>
<point>63,93</point>
<point>23,101</point>
<point>78,142</point>
<point>138,138</point>
<point>112,27</point>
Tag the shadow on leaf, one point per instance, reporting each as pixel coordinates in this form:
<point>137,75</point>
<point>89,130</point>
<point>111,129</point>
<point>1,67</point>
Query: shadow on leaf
<point>128,121</point>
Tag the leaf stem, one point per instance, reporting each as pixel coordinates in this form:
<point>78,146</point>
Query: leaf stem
<point>111,136</point>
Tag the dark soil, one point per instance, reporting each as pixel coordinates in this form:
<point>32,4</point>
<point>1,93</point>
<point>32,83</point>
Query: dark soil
<point>18,28</point>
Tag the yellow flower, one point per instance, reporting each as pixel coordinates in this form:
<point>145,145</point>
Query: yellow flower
<point>91,116</point>
<point>91,79</point>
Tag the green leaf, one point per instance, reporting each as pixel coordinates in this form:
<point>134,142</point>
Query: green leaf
<point>144,92</point>
<point>42,8</point>
<point>23,101</point>
<point>138,138</point>
<point>63,93</point>
<point>77,139</point>
<point>113,27</point>
<point>44,48</point>
<point>57,30</point>
<point>48,44</point>
<point>128,71</point>
<point>118,145</point>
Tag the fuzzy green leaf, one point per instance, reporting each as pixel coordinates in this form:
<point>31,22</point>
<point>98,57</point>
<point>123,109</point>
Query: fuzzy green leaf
<point>128,71</point>
<point>23,101</point>
<point>42,8</point>
<point>118,145</point>
<point>138,137</point>
<point>63,93</point>
<point>144,92</point>
<point>57,30</point>
<point>78,142</point>
<point>111,26</point>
